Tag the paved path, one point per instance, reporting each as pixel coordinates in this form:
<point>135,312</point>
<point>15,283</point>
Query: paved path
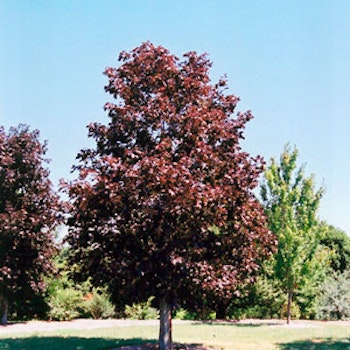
<point>41,326</point>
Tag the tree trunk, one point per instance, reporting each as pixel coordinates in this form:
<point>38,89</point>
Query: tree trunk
<point>3,310</point>
<point>165,331</point>
<point>289,305</point>
<point>221,311</point>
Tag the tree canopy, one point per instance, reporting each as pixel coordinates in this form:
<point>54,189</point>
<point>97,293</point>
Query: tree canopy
<point>291,203</point>
<point>28,214</point>
<point>338,244</point>
<point>164,203</point>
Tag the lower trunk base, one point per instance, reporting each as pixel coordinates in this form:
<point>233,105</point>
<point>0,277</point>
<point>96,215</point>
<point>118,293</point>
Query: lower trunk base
<point>289,306</point>
<point>3,311</point>
<point>165,330</point>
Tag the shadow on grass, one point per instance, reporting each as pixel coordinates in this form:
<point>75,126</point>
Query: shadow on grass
<point>68,343</point>
<point>77,343</point>
<point>317,344</point>
<point>12,323</point>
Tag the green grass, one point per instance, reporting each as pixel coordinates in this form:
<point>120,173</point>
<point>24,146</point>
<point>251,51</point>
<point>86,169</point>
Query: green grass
<point>265,337</point>
<point>226,336</point>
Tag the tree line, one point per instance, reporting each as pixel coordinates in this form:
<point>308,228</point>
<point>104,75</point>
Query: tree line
<point>164,208</point>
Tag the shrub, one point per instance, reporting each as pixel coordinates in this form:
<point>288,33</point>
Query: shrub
<point>183,314</point>
<point>334,299</point>
<point>68,300</point>
<point>98,304</point>
<point>142,311</point>
<point>65,304</point>
<point>263,299</point>
<point>294,311</point>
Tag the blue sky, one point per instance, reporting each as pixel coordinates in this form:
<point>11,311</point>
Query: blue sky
<point>287,60</point>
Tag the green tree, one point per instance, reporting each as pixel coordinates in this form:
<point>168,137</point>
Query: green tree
<point>334,298</point>
<point>315,272</point>
<point>291,203</point>
<point>338,244</point>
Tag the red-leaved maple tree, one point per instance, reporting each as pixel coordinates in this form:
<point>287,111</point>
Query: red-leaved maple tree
<point>164,204</point>
<point>28,215</point>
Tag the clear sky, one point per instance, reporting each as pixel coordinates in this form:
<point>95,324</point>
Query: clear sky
<point>289,61</point>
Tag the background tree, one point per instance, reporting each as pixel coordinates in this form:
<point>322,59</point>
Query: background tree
<point>166,168</point>
<point>338,244</point>
<point>291,203</point>
<point>333,302</point>
<point>28,214</point>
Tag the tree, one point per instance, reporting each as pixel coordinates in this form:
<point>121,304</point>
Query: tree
<point>334,300</point>
<point>28,214</point>
<point>166,170</point>
<point>338,243</point>
<point>291,203</point>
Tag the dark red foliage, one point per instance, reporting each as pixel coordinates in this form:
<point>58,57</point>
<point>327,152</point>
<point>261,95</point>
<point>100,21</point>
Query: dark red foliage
<point>164,204</point>
<point>28,212</point>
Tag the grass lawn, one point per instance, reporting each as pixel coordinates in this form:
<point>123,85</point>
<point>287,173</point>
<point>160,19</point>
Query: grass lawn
<point>226,336</point>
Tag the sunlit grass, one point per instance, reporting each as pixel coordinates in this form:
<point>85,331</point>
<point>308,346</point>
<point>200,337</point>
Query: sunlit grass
<point>226,336</point>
